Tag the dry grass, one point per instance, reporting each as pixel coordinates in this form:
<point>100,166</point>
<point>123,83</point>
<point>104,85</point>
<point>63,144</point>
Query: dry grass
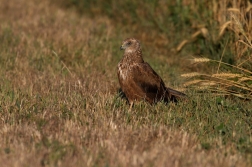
<point>236,78</point>
<point>237,83</point>
<point>59,103</point>
<point>70,144</point>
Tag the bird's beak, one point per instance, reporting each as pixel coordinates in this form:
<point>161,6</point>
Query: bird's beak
<point>121,48</point>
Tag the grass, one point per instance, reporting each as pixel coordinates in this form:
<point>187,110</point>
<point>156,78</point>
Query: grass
<point>237,81</point>
<point>59,91</point>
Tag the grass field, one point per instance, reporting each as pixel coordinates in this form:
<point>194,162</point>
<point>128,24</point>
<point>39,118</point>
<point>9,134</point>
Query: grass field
<point>60,104</point>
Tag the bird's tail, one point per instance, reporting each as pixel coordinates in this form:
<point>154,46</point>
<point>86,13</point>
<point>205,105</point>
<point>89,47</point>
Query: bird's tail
<point>175,95</point>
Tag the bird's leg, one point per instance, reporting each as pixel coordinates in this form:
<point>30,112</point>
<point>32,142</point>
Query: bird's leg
<point>131,105</point>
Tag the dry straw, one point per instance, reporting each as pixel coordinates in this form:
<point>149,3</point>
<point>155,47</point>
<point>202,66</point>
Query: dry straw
<point>190,75</point>
<point>202,31</point>
<point>200,60</point>
<point>227,83</point>
<point>224,27</point>
<point>210,83</point>
<point>236,79</point>
<point>227,75</point>
<point>193,82</point>
<point>245,79</point>
<point>238,23</point>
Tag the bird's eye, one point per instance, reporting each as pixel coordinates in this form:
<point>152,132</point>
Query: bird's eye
<point>128,43</point>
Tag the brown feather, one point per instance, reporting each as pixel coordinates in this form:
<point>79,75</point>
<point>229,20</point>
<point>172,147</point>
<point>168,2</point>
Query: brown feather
<point>138,80</point>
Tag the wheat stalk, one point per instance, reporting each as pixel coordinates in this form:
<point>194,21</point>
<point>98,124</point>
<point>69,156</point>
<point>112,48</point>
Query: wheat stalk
<point>193,82</point>
<point>238,23</point>
<point>190,75</point>
<point>240,27</point>
<point>209,83</point>
<point>226,75</point>
<point>245,79</point>
<point>230,83</point>
<point>223,28</point>
<point>200,60</point>
<point>233,66</point>
<point>181,45</point>
<point>226,83</point>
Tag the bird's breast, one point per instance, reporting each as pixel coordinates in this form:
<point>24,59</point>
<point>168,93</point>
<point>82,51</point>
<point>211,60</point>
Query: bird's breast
<point>123,71</point>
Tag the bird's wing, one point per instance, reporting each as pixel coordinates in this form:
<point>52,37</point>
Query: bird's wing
<point>152,84</point>
<point>146,78</point>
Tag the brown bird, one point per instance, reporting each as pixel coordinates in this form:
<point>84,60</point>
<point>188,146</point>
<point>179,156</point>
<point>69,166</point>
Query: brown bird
<point>138,80</point>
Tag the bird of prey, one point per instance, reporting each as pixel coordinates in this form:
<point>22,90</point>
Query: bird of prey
<point>138,80</point>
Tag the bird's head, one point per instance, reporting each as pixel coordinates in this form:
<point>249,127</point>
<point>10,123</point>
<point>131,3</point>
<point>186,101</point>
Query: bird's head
<point>130,45</point>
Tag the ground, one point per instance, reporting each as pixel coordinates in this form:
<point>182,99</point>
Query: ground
<point>60,104</point>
